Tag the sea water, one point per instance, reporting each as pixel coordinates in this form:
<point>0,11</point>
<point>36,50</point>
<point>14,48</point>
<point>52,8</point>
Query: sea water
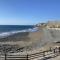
<point>7,30</point>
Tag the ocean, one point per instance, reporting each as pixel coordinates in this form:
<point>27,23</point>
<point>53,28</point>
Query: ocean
<point>7,30</point>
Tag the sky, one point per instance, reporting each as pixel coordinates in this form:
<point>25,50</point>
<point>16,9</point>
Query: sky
<point>28,12</point>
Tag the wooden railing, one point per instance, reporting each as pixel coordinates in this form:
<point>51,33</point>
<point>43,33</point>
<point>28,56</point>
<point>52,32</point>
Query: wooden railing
<point>40,55</point>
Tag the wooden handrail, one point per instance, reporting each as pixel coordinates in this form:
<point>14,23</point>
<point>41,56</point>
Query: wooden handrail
<point>31,56</point>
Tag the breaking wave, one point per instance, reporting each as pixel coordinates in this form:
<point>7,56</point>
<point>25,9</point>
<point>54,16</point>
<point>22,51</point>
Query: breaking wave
<point>5,34</point>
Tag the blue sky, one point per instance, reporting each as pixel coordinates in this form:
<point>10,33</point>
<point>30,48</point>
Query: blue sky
<point>24,12</point>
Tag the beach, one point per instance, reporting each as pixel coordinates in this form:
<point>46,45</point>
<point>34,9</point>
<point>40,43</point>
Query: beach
<point>22,38</point>
<point>30,43</point>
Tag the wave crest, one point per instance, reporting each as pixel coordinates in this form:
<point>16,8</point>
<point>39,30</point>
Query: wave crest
<point>5,34</point>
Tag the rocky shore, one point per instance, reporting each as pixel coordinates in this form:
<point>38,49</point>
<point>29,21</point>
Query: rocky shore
<point>31,42</point>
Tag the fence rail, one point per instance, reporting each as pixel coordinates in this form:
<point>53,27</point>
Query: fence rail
<point>32,56</point>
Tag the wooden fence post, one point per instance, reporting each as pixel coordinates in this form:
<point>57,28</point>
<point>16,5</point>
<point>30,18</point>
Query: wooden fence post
<point>5,56</point>
<point>27,56</point>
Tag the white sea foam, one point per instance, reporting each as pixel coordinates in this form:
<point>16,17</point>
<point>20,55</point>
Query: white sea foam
<point>5,34</point>
<point>33,30</point>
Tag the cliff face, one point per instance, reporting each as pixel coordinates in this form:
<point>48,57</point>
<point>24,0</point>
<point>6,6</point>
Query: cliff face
<point>48,36</point>
<point>51,32</point>
<point>52,35</point>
